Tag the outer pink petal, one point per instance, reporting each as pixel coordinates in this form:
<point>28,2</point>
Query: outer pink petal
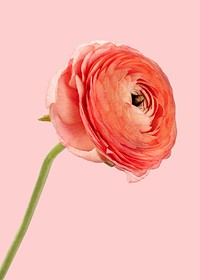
<point>67,101</point>
<point>73,135</point>
<point>132,178</point>
<point>64,112</point>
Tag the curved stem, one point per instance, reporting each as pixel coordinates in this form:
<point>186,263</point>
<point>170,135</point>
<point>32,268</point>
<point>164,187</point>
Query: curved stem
<point>30,209</point>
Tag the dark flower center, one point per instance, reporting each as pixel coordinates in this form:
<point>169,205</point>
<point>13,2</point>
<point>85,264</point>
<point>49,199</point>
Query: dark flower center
<point>137,99</point>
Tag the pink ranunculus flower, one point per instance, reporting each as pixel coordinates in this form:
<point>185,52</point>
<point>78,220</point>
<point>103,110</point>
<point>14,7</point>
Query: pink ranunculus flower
<point>112,104</point>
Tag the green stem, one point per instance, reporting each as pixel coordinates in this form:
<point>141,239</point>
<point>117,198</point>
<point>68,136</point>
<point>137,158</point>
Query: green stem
<point>31,209</point>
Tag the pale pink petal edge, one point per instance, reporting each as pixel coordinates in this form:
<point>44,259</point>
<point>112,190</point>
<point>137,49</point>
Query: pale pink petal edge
<point>50,96</point>
<point>92,155</point>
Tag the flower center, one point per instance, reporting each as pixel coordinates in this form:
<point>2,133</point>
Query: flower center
<point>137,99</point>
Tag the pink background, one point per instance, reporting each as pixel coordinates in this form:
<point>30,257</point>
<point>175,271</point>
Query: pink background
<point>90,223</point>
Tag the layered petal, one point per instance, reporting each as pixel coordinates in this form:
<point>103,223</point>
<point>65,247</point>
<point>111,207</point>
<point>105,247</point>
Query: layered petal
<point>95,109</point>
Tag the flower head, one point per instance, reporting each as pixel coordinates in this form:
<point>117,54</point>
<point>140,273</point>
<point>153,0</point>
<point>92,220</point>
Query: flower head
<point>112,104</point>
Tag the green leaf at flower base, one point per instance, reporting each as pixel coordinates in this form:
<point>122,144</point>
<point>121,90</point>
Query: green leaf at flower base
<point>45,118</point>
<point>109,163</point>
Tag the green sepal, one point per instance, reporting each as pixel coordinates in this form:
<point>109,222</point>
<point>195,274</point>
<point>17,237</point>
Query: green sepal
<point>110,164</point>
<point>45,118</point>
